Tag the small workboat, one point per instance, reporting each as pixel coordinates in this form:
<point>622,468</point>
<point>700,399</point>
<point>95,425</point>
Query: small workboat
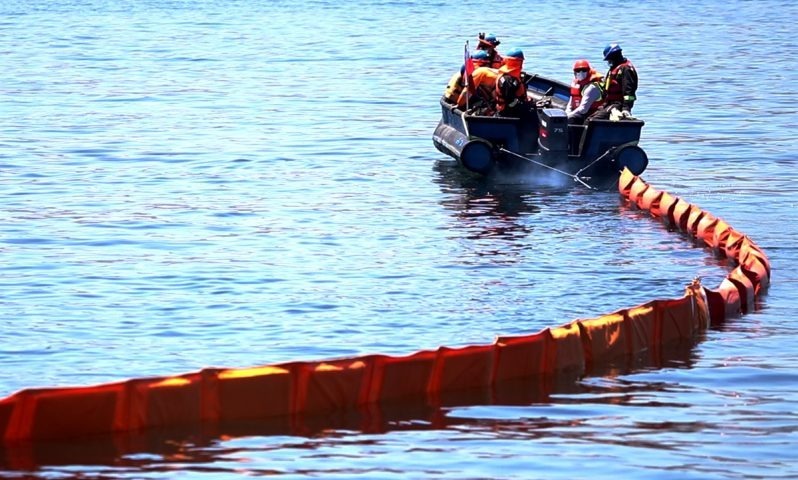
<point>593,154</point>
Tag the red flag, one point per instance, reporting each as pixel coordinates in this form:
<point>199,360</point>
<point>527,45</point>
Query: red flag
<point>469,65</point>
<point>469,69</point>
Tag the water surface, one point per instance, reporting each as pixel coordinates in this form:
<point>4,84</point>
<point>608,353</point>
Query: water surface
<point>192,184</point>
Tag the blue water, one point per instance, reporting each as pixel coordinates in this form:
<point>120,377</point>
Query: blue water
<point>202,183</point>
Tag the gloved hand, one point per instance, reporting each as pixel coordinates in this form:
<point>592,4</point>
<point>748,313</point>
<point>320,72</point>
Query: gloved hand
<point>615,114</point>
<point>626,114</point>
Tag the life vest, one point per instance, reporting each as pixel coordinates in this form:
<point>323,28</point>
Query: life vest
<point>496,60</point>
<point>484,96</point>
<point>613,90</point>
<point>510,89</point>
<point>454,88</point>
<point>577,87</point>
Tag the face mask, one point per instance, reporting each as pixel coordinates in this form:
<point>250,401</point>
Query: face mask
<point>581,76</point>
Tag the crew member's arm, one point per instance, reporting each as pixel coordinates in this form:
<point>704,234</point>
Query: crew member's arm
<point>590,94</point>
<point>628,88</point>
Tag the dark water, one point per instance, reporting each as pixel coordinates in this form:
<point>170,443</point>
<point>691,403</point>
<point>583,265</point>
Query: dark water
<point>198,183</point>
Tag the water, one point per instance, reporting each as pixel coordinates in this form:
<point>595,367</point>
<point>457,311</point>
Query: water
<point>191,184</point>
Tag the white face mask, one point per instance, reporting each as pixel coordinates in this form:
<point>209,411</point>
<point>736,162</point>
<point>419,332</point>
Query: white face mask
<point>581,76</point>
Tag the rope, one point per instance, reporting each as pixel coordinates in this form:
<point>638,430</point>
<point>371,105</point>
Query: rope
<point>574,177</point>
<point>601,157</point>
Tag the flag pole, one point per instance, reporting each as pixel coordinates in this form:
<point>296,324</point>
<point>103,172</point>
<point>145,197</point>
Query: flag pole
<point>467,72</point>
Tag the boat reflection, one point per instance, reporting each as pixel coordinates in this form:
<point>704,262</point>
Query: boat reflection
<point>484,210</point>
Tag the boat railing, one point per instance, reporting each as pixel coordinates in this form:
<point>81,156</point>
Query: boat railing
<point>602,135</point>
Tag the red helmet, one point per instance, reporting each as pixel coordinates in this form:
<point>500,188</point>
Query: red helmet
<point>581,65</point>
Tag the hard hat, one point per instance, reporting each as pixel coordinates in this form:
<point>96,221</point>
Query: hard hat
<point>480,55</point>
<point>515,53</point>
<point>610,49</point>
<point>489,39</point>
<point>581,65</point>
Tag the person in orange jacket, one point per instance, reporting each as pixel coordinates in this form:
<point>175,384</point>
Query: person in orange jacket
<point>586,93</point>
<point>480,97</point>
<point>511,98</point>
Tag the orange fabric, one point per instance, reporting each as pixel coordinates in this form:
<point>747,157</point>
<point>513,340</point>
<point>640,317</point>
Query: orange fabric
<point>637,190</point>
<point>462,368</point>
<point>733,243</point>
<point>678,319</point>
<point>745,289</point>
<point>731,298</point>
<point>717,306</point>
<point>666,204</point>
<point>693,218</point>
<point>163,402</point>
<point>63,413</point>
<point>402,377</point>
<point>512,66</point>
<point>258,392</point>
<point>8,406</point>
<point>750,249</point>
<point>523,356</point>
<point>625,182</point>
<point>604,339</point>
<point>719,236</point>
<point>705,229</point>
<point>644,333</point>
<point>756,269</point>
<point>92,410</point>
<point>649,200</point>
<point>679,215</point>
<point>568,353</point>
<point>335,385</point>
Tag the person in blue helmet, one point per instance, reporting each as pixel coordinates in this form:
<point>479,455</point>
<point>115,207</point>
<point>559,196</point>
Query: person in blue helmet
<point>480,97</point>
<point>511,98</point>
<point>620,85</point>
<point>488,42</point>
<point>455,90</point>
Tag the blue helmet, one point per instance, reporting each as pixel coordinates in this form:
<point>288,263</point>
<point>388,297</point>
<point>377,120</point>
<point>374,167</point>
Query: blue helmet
<point>610,49</point>
<point>515,53</point>
<point>489,39</point>
<point>480,55</point>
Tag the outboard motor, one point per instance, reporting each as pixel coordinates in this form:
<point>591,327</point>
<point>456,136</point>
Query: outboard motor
<point>553,138</point>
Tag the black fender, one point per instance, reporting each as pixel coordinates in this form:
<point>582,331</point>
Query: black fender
<point>478,155</point>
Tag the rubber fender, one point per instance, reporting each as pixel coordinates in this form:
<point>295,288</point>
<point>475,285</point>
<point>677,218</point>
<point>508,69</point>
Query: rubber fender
<point>478,156</point>
<point>632,157</point>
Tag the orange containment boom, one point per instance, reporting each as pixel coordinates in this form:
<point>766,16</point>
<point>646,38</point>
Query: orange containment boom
<point>584,346</point>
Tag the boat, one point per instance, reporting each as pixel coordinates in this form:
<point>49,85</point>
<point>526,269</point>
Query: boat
<point>593,154</point>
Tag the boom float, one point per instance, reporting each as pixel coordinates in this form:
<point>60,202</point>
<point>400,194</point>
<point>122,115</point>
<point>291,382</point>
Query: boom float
<point>581,347</point>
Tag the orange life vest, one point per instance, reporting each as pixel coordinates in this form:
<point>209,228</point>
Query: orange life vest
<point>496,60</point>
<point>510,89</point>
<point>484,86</point>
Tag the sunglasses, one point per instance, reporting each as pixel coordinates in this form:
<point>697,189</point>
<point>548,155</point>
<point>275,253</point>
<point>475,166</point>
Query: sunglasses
<point>581,70</point>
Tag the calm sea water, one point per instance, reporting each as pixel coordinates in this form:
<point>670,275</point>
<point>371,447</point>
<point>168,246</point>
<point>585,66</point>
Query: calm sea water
<point>203,183</point>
